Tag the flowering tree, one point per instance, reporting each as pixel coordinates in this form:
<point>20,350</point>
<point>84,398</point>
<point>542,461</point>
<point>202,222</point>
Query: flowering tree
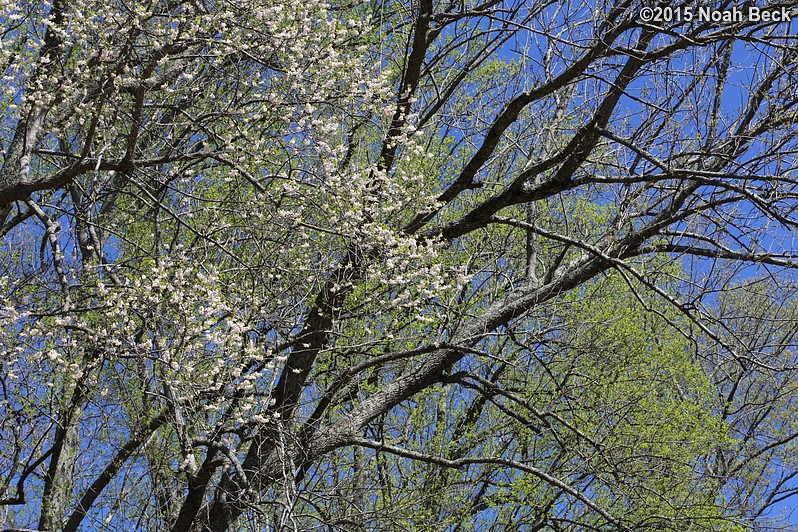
<point>395,265</point>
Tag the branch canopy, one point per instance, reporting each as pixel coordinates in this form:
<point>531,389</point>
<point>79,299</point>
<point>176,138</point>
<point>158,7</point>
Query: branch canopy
<point>393,265</point>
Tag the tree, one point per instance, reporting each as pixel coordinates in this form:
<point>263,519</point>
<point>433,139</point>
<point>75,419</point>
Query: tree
<point>424,265</point>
